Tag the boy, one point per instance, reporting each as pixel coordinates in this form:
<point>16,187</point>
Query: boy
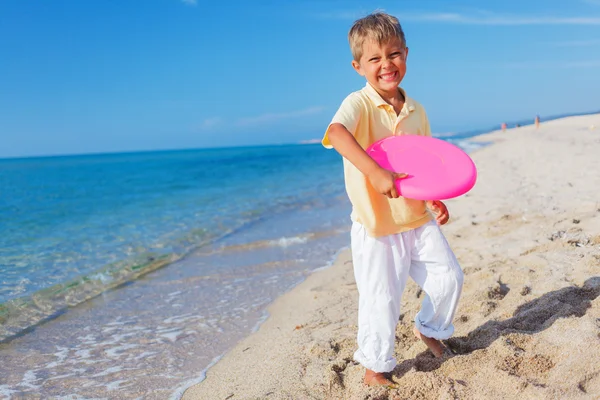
<point>392,237</point>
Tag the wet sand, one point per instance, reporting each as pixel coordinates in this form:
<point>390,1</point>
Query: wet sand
<point>528,323</point>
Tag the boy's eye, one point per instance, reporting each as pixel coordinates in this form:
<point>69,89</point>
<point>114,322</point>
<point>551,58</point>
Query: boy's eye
<point>373,59</point>
<point>396,54</point>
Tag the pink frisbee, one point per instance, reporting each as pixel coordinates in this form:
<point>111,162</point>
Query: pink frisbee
<point>436,169</point>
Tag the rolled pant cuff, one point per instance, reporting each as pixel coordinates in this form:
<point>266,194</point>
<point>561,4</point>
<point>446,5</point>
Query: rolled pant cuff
<point>432,333</point>
<point>375,366</point>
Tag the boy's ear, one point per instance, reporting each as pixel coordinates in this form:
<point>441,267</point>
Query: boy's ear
<point>357,68</point>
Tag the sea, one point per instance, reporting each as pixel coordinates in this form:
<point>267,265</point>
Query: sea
<point>129,275</point>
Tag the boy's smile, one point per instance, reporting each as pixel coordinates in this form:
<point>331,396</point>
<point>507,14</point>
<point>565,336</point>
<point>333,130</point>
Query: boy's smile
<point>389,77</point>
<point>383,65</point>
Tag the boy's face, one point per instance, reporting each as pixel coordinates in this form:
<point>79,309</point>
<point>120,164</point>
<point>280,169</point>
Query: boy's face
<point>383,65</point>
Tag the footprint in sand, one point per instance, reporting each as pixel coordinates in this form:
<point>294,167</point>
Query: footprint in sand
<point>531,317</point>
<point>498,292</point>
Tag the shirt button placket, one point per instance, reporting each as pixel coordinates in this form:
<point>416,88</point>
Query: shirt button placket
<point>393,120</point>
<point>397,120</point>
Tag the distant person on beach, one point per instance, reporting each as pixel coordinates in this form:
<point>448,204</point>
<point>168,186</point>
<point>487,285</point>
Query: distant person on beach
<point>537,121</point>
<point>392,237</point>
<point>503,126</point>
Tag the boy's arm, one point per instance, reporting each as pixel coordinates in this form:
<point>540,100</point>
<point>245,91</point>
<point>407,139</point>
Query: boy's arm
<point>381,179</point>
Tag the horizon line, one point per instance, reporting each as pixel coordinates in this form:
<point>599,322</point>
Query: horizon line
<point>303,142</point>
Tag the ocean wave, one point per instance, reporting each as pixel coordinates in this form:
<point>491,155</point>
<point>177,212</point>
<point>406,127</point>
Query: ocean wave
<point>444,135</point>
<point>285,242</point>
<point>469,145</point>
<point>19,315</point>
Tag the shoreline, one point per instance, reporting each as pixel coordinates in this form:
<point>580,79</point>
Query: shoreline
<point>179,393</point>
<point>307,350</point>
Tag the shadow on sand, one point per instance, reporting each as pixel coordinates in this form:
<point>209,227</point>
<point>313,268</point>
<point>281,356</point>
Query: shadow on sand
<point>529,318</point>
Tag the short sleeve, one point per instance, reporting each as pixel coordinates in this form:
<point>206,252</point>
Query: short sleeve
<point>348,115</point>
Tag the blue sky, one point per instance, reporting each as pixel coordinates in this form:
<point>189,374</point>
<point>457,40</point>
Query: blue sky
<point>121,75</point>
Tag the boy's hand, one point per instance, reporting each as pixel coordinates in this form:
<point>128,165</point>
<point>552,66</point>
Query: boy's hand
<point>384,181</point>
<point>441,211</point>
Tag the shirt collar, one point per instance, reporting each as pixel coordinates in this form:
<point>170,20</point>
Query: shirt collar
<point>379,102</point>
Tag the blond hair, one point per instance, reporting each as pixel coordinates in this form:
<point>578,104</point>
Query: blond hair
<point>379,26</point>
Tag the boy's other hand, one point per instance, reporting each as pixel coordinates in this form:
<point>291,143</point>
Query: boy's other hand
<point>441,211</point>
<point>384,182</point>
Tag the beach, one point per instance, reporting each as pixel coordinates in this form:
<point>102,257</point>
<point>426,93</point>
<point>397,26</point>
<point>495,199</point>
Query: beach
<point>528,323</point>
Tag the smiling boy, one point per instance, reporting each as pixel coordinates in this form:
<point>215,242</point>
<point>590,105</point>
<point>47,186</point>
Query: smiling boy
<point>392,237</point>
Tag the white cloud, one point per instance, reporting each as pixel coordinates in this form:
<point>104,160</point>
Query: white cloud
<point>582,64</point>
<point>492,19</point>
<point>578,43</point>
<point>263,119</point>
<point>562,65</point>
<point>210,123</point>
<point>273,117</point>
<point>190,2</point>
<point>482,18</point>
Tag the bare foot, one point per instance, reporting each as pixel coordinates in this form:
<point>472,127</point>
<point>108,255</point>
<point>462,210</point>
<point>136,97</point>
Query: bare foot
<point>436,347</point>
<point>377,379</point>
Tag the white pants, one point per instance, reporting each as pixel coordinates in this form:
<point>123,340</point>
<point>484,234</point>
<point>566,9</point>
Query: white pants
<point>381,268</point>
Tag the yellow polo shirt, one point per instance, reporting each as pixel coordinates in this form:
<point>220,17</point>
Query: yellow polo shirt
<point>369,118</point>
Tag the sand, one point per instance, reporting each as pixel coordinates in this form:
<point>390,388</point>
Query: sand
<point>528,323</point>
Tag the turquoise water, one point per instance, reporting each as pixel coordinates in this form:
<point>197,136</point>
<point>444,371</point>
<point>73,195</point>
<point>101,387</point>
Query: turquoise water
<point>132,273</point>
<point>95,216</point>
